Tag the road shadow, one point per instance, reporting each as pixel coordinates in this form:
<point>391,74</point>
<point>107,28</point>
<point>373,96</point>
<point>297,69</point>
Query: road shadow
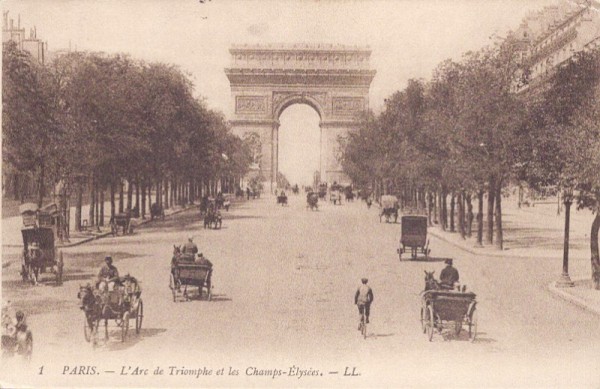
<point>381,335</point>
<point>425,259</point>
<point>114,342</point>
<point>219,298</point>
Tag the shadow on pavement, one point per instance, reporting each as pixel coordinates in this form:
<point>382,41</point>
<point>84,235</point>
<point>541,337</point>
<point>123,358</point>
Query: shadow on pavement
<point>424,259</point>
<point>114,336</point>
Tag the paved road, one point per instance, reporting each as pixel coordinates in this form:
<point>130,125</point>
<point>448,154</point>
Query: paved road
<point>284,283</point>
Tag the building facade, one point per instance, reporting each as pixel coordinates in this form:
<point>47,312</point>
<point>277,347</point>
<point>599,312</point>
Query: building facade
<point>13,32</point>
<point>552,36</point>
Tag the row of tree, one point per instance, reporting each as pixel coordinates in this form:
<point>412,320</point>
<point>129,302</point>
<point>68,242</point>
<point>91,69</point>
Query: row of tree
<point>474,129</point>
<point>93,122</point>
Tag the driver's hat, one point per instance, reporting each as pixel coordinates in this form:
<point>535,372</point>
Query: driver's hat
<point>108,258</point>
<point>448,261</point>
<point>364,280</point>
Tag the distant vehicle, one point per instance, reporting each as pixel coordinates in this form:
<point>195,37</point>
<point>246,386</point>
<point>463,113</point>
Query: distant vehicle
<point>312,200</point>
<point>414,236</point>
<point>39,251</point>
<point>389,208</point>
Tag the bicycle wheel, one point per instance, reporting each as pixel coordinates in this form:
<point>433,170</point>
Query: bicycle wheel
<point>364,328</point>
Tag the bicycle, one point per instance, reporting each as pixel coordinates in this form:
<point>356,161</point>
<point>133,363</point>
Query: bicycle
<point>362,325</point>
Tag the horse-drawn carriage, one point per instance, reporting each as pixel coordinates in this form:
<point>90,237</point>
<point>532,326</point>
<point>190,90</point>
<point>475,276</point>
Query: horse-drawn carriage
<point>389,208</point>
<point>335,197</point>
<point>414,236</point>
<point>120,304</point>
<point>121,220</point>
<point>312,201</point>
<point>39,251</point>
<point>282,199</point>
<point>157,211</point>
<point>213,218</point>
<point>349,193</point>
<point>441,308</point>
<point>185,271</point>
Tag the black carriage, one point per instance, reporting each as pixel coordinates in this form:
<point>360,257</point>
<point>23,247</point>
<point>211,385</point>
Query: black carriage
<point>282,199</point>
<point>447,308</point>
<point>121,220</point>
<point>312,201</point>
<point>39,234</point>
<point>335,197</point>
<point>189,273</point>
<point>122,304</point>
<point>414,236</point>
<point>157,211</point>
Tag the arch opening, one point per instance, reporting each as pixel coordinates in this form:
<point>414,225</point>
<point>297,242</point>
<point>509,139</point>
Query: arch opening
<point>299,143</point>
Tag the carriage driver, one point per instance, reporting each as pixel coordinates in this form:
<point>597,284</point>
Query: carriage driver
<point>108,273</point>
<point>190,247</point>
<point>449,275</point>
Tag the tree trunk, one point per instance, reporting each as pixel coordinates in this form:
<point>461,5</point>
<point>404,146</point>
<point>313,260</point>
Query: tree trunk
<point>469,215</point>
<point>121,197</point>
<point>166,203</point>
<point>499,238</point>
<point>137,194</point>
<point>143,207</point>
<point>435,207</point>
<point>461,214</point>
<point>429,206</point>
<point>594,247</point>
<point>78,206</point>
<point>480,217</point>
<point>92,202</point>
<point>444,210</point>
<point>41,186</point>
<point>112,200</point>
<point>489,236</point>
<point>129,194</point>
<point>101,218</point>
<point>452,204</point>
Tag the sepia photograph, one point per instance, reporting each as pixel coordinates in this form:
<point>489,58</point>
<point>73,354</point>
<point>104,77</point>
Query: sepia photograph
<point>300,194</point>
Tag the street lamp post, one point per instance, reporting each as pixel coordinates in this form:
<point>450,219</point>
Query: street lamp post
<point>565,281</point>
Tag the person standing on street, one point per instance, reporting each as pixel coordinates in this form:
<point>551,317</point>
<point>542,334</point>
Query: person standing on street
<point>363,298</point>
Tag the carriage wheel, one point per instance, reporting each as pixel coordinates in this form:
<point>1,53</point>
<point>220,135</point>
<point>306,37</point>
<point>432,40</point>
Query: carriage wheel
<point>24,273</point>
<point>124,326</point>
<point>130,229</point>
<point>173,286</point>
<point>32,274</point>
<point>139,317</point>
<point>28,349</point>
<point>87,331</point>
<point>423,320</point>
<point>59,265</point>
<point>473,325</point>
<point>458,327</point>
<point>431,322</point>
<point>114,229</point>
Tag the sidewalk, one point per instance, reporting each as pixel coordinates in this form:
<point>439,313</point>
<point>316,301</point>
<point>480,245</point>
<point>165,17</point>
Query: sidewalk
<point>538,233</point>
<point>11,230</point>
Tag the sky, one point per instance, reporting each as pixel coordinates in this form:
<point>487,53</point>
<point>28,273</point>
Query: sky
<point>408,38</point>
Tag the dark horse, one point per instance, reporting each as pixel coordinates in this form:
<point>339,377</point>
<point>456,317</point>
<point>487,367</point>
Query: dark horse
<point>91,305</point>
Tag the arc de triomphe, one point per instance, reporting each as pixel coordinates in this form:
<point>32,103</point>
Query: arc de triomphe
<point>266,79</point>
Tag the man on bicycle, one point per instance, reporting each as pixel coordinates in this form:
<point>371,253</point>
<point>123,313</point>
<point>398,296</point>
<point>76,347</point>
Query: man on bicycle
<point>363,298</point>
